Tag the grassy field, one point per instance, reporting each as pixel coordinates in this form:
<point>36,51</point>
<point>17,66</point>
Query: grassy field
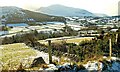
<point>11,55</point>
<point>69,40</point>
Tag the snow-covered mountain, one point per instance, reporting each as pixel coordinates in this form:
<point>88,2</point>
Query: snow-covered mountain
<point>14,14</point>
<point>60,10</point>
<point>10,10</point>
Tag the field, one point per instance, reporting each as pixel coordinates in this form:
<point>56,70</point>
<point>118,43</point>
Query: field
<point>67,39</point>
<point>11,55</point>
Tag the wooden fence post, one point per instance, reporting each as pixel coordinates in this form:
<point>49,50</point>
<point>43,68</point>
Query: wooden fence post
<point>110,48</point>
<point>49,51</point>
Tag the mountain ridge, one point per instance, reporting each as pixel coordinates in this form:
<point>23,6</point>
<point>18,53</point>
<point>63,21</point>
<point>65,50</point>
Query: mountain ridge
<point>61,10</point>
<point>16,15</point>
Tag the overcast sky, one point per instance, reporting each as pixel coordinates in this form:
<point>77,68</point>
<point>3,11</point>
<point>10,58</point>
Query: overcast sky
<point>109,7</point>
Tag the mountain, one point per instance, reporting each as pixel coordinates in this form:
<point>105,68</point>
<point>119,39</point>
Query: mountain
<point>16,15</point>
<point>9,10</point>
<point>60,10</point>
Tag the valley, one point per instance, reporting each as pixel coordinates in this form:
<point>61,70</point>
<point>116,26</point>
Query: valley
<point>58,38</point>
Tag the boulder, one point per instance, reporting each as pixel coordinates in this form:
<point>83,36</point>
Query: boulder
<point>37,62</point>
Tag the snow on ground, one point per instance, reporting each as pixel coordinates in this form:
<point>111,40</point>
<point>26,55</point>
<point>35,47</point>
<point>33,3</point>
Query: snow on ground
<point>45,56</point>
<point>93,65</point>
<point>115,58</point>
<point>90,66</point>
<point>18,29</point>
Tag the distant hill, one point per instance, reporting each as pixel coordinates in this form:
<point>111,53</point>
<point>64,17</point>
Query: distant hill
<point>16,15</point>
<point>60,10</point>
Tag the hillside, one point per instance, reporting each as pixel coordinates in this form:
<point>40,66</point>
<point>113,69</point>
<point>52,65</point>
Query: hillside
<point>17,15</point>
<point>42,17</point>
<point>60,10</point>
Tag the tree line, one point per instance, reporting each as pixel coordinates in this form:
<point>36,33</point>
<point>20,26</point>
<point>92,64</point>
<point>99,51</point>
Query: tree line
<point>35,36</point>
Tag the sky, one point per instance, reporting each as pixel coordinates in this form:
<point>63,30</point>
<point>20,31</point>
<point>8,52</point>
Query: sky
<point>109,7</point>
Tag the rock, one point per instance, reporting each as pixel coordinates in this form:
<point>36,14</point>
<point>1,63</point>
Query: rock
<point>37,61</point>
<point>41,69</point>
<point>65,67</point>
<point>51,68</point>
<point>51,65</point>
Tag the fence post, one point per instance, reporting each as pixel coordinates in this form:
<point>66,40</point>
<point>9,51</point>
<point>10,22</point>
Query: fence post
<point>116,38</point>
<point>110,48</point>
<point>49,51</point>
